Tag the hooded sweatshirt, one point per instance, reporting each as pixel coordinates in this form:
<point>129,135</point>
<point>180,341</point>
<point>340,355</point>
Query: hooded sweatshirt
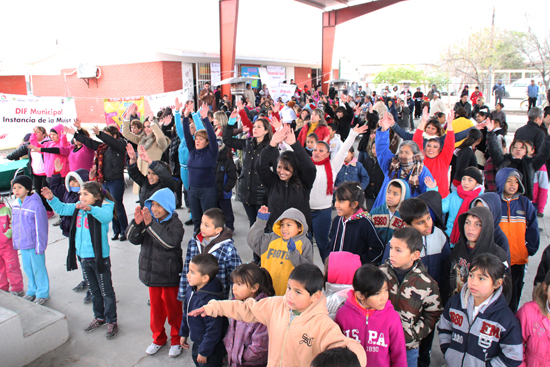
<point>490,338</point>
<point>280,257</point>
<point>492,201</point>
<point>146,189</point>
<point>49,159</point>
<point>451,204</point>
<point>381,335</point>
<point>161,256</point>
<point>342,266</point>
<point>357,235</point>
<point>30,224</point>
<point>456,268</point>
<point>519,220</point>
<point>79,157</point>
<point>63,191</point>
<point>385,223</point>
<point>292,342</point>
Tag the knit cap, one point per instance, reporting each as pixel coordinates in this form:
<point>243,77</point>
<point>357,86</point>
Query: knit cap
<point>473,173</point>
<point>24,181</point>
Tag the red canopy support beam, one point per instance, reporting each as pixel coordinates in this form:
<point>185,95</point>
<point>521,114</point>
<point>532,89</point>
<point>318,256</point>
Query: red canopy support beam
<point>229,16</point>
<point>336,17</point>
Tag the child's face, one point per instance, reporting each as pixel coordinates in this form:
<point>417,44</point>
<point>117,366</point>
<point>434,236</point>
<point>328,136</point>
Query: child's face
<point>424,224</point>
<point>400,255</point>
<point>158,211</point>
<point>481,285</point>
<point>289,229</point>
<point>518,151</point>
<point>20,191</point>
<point>468,183</point>
<point>152,177</point>
<point>310,143</point>
<point>243,291</point>
<point>74,183</point>
<point>472,228</point>
<point>373,150</point>
<point>349,157</point>
<point>511,186</point>
<point>208,229</point>
<point>194,276</point>
<point>344,208</point>
<point>393,195</point>
<point>298,298</point>
<point>87,198</point>
<point>376,301</point>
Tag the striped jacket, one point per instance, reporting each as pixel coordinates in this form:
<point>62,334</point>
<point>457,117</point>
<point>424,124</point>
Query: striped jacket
<point>491,338</point>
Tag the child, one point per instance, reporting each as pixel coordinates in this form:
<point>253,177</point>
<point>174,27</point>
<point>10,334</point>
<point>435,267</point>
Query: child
<point>352,230</point>
<point>89,242</point>
<point>30,236</point>
<point>226,178</point>
<point>534,318</point>
<point>459,200</point>
<point>206,334</point>
<point>340,267</point>
<point>476,238</point>
<point>336,357</point>
<point>69,192</point>
<point>213,238</point>
<point>10,270</point>
<point>413,292</point>
<point>311,140</point>
<point>352,171</point>
<point>386,217</point>
<point>381,334</point>
<point>303,306</point>
<point>284,248</point>
<point>246,343</point>
<point>335,142</point>
<point>159,231</point>
<point>477,327</point>
<point>520,225</point>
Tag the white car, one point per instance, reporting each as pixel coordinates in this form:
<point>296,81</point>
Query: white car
<point>518,89</point>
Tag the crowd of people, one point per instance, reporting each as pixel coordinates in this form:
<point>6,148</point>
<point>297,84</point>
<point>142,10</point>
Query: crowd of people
<point>417,227</point>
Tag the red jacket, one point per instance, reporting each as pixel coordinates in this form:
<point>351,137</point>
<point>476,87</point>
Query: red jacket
<point>322,131</point>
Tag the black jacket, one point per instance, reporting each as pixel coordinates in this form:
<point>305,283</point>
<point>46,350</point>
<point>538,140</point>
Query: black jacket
<point>161,256</point>
<point>372,123</point>
<point>467,106</point>
<point>174,156</point>
<point>226,174</point>
<point>533,133</point>
<point>283,195</point>
<point>251,190</point>
<point>113,160</point>
<point>376,177</point>
<point>464,159</point>
<point>146,189</point>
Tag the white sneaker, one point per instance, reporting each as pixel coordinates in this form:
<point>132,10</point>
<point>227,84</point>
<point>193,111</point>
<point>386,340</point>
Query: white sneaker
<point>175,351</point>
<point>153,349</point>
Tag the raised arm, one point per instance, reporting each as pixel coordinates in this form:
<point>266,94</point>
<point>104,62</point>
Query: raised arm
<point>128,134</point>
<point>161,139</point>
<point>228,139</point>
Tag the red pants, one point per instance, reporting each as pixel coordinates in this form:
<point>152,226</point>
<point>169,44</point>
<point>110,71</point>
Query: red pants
<point>10,270</point>
<point>165,304</point>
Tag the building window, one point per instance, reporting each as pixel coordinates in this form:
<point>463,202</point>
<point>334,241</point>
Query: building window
<point>28,82</point>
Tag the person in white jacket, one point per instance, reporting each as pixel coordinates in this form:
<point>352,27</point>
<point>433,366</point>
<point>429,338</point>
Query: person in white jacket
<point>436,105</point>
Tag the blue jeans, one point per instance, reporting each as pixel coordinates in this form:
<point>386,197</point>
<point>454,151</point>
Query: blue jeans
<point>201,199</point>
<point>101,286</point>
<point>35,268</point>
<point>412,357</point>
<point>116,189</point>
<point>320,221</point>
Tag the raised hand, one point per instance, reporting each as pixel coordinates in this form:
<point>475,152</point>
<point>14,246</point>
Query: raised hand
<point>68,130</point>
<point>58,165</point>
<point>490,124</point>
<point>46,193</point>
<point>178,104</point>
<point>371,108</point>
<point>234,114</point>
<point>450,118</point>
<point>77,124</point>
<point>138,217</point>
<point>143,154</point>
<point>188,110</point>
<point>240,105</point>
<point>431,184</point>
<point>279,136</point>
<point>425,114</point>
<point>147,219</point>
<point>275,108</point>
<point>204,111</point>
<point>360,129</point>
<point>264,210</point>
<point>96,130</point>
<point>291,137</point>
<point>132,109</point>
<point>384,122</point>
<point>93,172</point>
<point>131,153</point>
<point>275,122</point>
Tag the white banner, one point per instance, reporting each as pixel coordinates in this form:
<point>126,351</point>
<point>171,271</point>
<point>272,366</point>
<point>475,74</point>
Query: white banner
<point>277,74</point>
<point>215,74</point>
<point>266,79</point>
<point>284,91</point>
<point>19,109</point>
<point>159,101</point>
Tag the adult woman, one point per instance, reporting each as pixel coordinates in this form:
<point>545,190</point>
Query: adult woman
<point>290,181</point>
<point>407,165</point>
<point>465,91</point>
<point>480,105</point>
<point>58,139</point>
<point>320,200</point>
<point>315,125</point>
<point>343,117</point>
<point>302,119</point>
<point>152,139</point>
<point>109,169</point>
<point>465,157</point>
<point>220,122</point>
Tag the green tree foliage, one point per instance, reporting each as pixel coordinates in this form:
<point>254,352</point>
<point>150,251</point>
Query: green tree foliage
<point>392,74</point>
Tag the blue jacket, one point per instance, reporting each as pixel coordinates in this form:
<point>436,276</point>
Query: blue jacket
<point>207,332</point>
<point>183,151</point>
<point>353,172</point>
<point>451,204</point>
<point>202,162</point>
<point>492,338</point>
<point>30,224</point>
<point>385,156</point>
<point>381,215</point>
<point>533,91</point>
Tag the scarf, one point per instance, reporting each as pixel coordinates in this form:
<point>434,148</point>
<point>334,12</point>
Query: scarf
<point>95,235</point>
<point>328,170</point>
<point>467,197</point>
<point>148,140</point>
<point>99,161</point>
<point>414,164</point>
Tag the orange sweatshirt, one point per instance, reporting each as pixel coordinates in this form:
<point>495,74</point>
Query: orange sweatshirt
<point>291,343</point>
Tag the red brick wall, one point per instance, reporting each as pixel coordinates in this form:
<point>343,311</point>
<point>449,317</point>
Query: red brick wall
<point>301,77</point>
<point>13,84</point>
<point>126,80</point>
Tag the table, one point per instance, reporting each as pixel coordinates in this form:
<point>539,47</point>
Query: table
<point>7,171</point>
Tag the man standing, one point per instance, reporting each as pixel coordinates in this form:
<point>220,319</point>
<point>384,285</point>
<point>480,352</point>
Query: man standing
<point>368,90</point>
<point>499,91</point>
<point>249,95</point>
<point>532,93</point>
<point>463,102</point>
<point>532,131</point>
<point>206,95</point>
<point>361,94</point>
<point>432,92</point>
<point>418,98</point>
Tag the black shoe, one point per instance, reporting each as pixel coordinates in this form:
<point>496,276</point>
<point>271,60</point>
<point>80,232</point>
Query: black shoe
<point>115,237</point>
<point>123,238</point>
<point>80,287</point>
<point>112,330</point>
<point>189,222</point>
<point>88,298</point>
<point>540,215</point>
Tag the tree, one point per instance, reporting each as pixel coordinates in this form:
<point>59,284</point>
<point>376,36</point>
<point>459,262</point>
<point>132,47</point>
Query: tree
<point>393,74</point>
<point>536,51</point>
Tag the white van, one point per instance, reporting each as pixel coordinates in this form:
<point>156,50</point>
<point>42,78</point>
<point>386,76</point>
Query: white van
<point>518,89</point>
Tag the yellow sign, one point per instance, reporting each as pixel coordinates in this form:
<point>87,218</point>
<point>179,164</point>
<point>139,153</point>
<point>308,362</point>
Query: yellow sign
<point>116,108</point>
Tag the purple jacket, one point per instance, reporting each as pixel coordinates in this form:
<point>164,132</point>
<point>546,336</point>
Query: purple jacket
<point>246,343</point>
<point>381,335</point>
<point>30,225</point>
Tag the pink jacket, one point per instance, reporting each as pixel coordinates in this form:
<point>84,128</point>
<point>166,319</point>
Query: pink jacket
<point>82,158</point>
<point>49,159</point>
<point>381,334</point>
<point>246,343</point>
<point>540,189</point>
<point>535,329</point>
